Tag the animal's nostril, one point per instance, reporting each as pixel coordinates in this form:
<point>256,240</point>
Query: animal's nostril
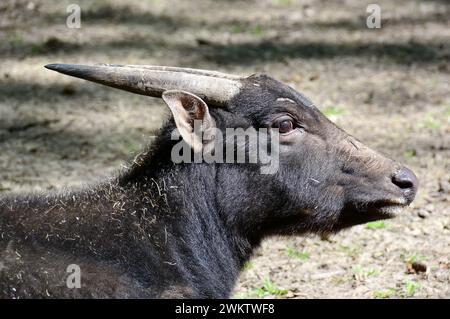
<point>405,179</point>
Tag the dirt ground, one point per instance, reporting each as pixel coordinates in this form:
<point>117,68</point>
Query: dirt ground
<point>389,87</point>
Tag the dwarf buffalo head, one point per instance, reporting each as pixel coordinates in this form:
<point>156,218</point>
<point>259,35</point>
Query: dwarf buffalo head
<point>325,179</point>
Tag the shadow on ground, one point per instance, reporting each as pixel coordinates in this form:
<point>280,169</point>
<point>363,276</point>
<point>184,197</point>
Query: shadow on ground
<point>160,27</point>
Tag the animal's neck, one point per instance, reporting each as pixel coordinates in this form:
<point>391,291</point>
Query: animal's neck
<point>198,227</point>
<point>192,189</point>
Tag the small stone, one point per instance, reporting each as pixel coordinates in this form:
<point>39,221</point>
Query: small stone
<point>290,294</point>
<point>31,6</point>
<point>68,90</point>
<point>442,275</point>
<point>416,267</point>
<point>444,186</point>
<point>203,41</point>
<point>423,213</point>
<point>444,265</point>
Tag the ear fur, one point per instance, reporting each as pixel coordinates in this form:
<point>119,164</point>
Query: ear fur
<point>191,116</point>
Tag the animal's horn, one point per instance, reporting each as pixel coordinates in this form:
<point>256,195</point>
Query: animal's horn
<point>214,87</point>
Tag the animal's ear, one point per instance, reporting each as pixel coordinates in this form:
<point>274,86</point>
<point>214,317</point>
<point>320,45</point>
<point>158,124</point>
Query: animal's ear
<point>191,116</point>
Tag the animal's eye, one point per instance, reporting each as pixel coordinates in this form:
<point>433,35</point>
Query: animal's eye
<point>284,125</point>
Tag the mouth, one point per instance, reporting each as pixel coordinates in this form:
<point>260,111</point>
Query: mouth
<point>387,208</point>
<point>353,215</point>
<point>390,211</point>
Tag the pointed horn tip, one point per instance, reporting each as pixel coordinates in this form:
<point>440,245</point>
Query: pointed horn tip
<point>69,69</point>
<point>63,67</point>
<point>77,70</point>
<point>53,66</point>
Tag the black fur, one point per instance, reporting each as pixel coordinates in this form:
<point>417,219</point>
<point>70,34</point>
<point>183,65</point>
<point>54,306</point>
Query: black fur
<point>165,230</point>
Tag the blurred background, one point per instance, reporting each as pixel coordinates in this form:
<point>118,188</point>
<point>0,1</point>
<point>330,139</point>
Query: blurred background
<point>390,87</point>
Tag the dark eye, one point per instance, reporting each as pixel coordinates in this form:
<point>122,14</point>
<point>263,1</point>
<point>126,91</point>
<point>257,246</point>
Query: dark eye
<point>284,126</point>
